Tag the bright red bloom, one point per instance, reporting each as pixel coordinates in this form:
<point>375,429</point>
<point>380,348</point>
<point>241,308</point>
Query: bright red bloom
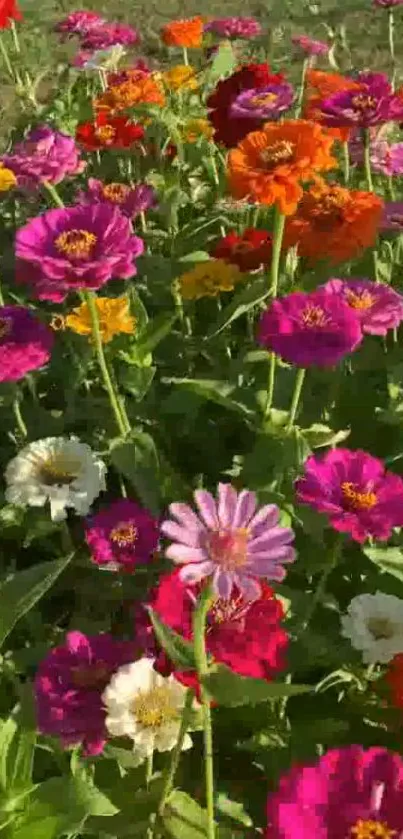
<point>108,132</point>
<point>230,130</point>
<point>9,11</point>
<point>248,251</point>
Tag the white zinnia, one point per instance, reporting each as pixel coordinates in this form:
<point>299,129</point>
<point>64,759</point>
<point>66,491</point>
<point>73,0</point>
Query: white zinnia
<point>145,706</point>
<point>374,625</point>
<point>62,471</point>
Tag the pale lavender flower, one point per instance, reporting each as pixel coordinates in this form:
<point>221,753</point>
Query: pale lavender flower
<point>229,540</point>
<point>263,103</point>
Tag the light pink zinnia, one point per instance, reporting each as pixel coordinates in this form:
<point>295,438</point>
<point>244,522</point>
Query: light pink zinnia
<point>229,541</point>
<point>377,306</point>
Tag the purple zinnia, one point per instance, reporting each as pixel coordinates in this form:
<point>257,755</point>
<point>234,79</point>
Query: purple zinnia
<point>229,541</point>
<point>347,793</point>
<point>234,27</point>
<point>264,103</point>
<point>377,306</point>
<point>310,328</point>
<point>69,686</point>
<point>122,536</point>
<point>75,248</point>
<point>310,46</point>
<point>131,200</point>
<point>392,218</point>
<point>44,155</point>
<point>355,491</point>
<point>78,23</point>
<point>373,103</point>
<point>25,343</point>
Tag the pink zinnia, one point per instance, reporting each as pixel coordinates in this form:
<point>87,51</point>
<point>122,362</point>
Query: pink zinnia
<point>44,155</point>
<point>69,686</point>
<point>386,158</point>
<point>310,329</point>
<point>373,103</point>
<point>234,27</point>
<point>377,306</point>
<point>355,491</point>
<point>122,536</point>
<point>131,200</point>
<point>310,46</point>
<point>109,35</point>
<point>75,248</point>
<point>347,793</point>
<point>78,23</point>
<point>388,4</point>
<point>229,541</point>
<point>25,343</point>
<point>392,218</point>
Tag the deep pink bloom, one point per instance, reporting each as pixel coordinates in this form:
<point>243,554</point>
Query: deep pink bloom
<point>131,200</point>
<point>122,536</point>
<point>78,23</point>
<point>392,218</point>
<point>109,35</point>
<point>377,306</point>
<point>348,793</point>
<point>373,104</point>
<point>245,635</point>
<point>265,103</point>
<point>234,27</point>
<point>69,686</point>
<point>388,4</point>
<point>25,343</point>
<point>355,491</point>
<point>310,46</point>
<point>44,155</point>
<point>229,541</point>
<point>309,329</point>
<point>75,248</point>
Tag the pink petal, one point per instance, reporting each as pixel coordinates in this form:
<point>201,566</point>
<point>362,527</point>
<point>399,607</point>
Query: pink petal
<point>248,586</point>
<point>245,508</point>
<point>196,571</point>
<point>178,533</point>
<point>185,516</point>
<point>207,508</point>
<point>183,554</point>
<point>227,499</point>
<point>269,540</point>
<point>262,565</point>
<point>267,516</point>
<point>222,583</point>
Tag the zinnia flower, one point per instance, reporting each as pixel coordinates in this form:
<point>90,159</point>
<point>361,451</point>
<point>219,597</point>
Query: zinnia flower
<point>234,27</point>
<point>320,85</point>
<point>25,343</point>
<point>265,103</point>
<point>347,793</point>
<point>78,23</point>
<point>269,166</point>
<point>108,132</point>
<point>249,251</point>
<point>334,223</point>
<point>388,4</point>
<point>245,635</point>
<point>62,471</point>
<point>195,128</point>
<point>44,155</point>
<point>75,248</point>
<point>355,491</point>
<point>131,200</point>
<point>310,328</point>
<point>183,33</point>
<point>140,89</point>
<point>106,35</point>
<point>9,10</point>
<point>113,315</point>
<point>7,179</point>
<point>377,306</point>
<point>180,77</point>
<point>122,536</point>
<point>68,688</point>
<point>309,46</point>
<point>229,541</point>
<point>374,625</point>
<point>208,279</point>
<point>373,103</point>
<point>145,706</point>
<point>229,130</point>
<point>386,158</point>
<point>392,218</point>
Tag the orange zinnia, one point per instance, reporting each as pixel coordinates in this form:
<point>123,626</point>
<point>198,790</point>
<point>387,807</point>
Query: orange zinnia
<point>141,90</point>
<point>268,166</point>
<point>319,86</point>
<point>183,33</point>
<point>334,223</point>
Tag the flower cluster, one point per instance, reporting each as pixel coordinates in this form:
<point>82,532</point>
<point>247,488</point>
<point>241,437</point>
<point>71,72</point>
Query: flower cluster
<point>44,156</point>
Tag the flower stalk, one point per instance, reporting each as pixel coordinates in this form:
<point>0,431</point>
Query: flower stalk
<point>199,636</point>
<point>278,235</point>
<point>172,766</point>
<point>299,382</point>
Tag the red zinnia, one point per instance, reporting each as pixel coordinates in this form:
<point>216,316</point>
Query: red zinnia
<point>248,251</point>
<point>8,11</point>
<point>108,132</point>
<point>230,130</point>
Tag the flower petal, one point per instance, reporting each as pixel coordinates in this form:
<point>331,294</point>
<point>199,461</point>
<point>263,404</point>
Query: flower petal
<point>185,516</point>
<point>181,534</point>
<point>248,586</point>
<point>183,554</point>
<point>227,501</point>
<point>223,583</point>
<point>196,571</point>
<point>207,508</point>
<point>245,508</point>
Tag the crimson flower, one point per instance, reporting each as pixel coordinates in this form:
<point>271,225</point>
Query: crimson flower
<point>248,251</point>
<point>108,132</point>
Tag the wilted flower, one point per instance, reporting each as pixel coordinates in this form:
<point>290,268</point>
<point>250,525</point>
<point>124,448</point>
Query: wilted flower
<point>310,46</point>
<point>45,155</point>
<point>122,536</point>
<point>208,279</point>
<point>249,251</point>
<point>131,200</point>
<point>234,27</point>
<point>25,343</point>
<point>113,315</point>
<point>377,306</point>
<point>374,625</point>
<point>62,471</point>
<point>265,103</point>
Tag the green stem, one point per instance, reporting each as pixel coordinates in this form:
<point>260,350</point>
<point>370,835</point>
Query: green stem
<point>302,88</point>
<point>54,194</point>
<point>199,641</point>
<point>391,38</point>
<point>391,188</point>
<point>346,162</point>
<point>185,56</point>
<point>270,383</point>
<point>15,38</point>
<point>299,381</point>
<point>176,752</point>
<point>122,421</point>
<point>321,587</point>
<point>6,57</point>
<point>278,234</point>
<point>367,159</point>
<point>18,415</point>
<point>149,768</point>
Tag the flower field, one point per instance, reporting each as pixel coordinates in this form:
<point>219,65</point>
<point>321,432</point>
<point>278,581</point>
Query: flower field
<point>201,394</point>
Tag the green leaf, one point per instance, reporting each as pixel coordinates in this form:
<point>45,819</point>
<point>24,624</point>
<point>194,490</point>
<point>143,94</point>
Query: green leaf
<point>137,459</point>
<point>184,818</point>
<point>195,256</point>
<point>234,809</point>
<point>214,390</point>
<point>387,559</point>
<point>229,689</point>
<point>8,730</point>
<point>155,332</point>
<point>20,593</point>
<point>137,380</point>
<point>318,435</point>
<point>243,301</point>
<point>177,648</point>
<point>138,309</point>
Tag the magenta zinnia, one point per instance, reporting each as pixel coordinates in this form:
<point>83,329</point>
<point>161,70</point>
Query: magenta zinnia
<point>131,200</point>
<point>229,541</point>
<point>75,248</point>
<point>25,343</point>
<point>44,155</point>
<point>122,536</point>
<point>234,27</point>
<point>377,306</point>
<point>355,491</point>
<point>372,103</point>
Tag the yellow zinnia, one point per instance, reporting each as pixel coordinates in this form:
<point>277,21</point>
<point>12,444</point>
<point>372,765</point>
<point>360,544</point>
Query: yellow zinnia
<point>208,278</point>
<point>195,128</point>
<point>180,77</point>
<point>7,179</point>
<point>114,318</point>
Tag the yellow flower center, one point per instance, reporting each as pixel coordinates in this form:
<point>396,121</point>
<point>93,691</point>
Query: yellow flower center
<point>313,317</point>
<point>224,611</point>
<point>279,152</point>
<point>360,299</point>
<point>106,133</point>
<point>154,707</point>
<point>116,192</point>
<point>363,102</point>
<point>369,829</point>
<point>76,244</point>
<point>5,327</point>
<point>356,499</point>
<point>228,548</point>
<point>263,99</point>
<point>90,676</point>
<point>381,628</point>
<point>59,471</point>
<point>124,534</point>
<point>7,179</point>
<point>58,323</point>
